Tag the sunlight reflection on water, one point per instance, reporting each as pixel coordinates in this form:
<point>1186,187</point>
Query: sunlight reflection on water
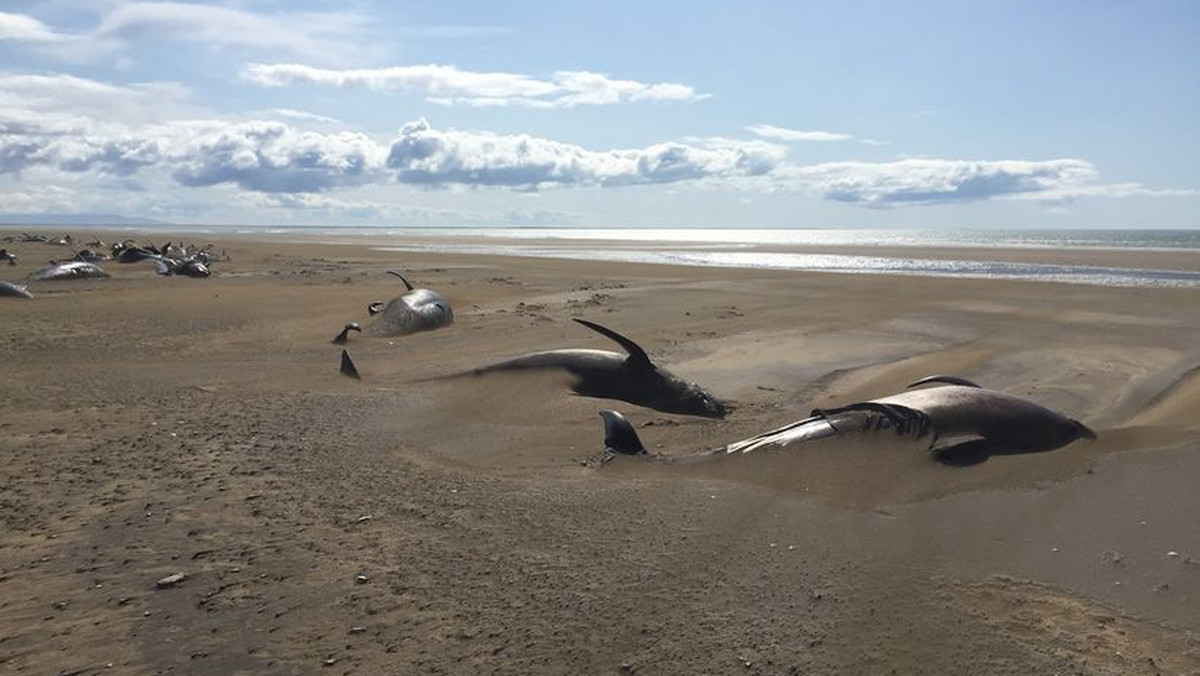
<point>834,263</point>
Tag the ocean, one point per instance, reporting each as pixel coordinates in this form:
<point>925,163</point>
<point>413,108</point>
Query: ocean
<point>761,248</point>
<point>745,248</point>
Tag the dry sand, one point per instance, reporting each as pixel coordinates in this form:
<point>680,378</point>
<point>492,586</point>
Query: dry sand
<point>152,425</point>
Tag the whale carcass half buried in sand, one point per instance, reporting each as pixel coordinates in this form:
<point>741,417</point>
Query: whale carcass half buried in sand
<point>965,424</point>
<point>413,311</point>
<point>11,290</point>
<point>70,270</point>
<point>630,377</point>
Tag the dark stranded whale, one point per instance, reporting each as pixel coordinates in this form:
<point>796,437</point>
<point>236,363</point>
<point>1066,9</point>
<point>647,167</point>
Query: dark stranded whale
<point>630,377</point>
<point>10,290</point>
<point>965,424</point>
<point>413,311</point>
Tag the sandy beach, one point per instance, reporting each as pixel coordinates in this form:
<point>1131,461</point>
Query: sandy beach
<point>424,522</point>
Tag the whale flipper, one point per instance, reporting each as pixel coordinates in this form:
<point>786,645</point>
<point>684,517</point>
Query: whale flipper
<point>637,356</point>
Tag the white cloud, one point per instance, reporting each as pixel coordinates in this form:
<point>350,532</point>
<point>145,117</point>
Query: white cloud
<point>931,181</point>
<point>449,85</point>
<point>24,28</point>
<point>425,156</point>
<point>299,33</point>
<point>52,98</point>
<point>783,134</point>
<point>328,37</point>
<point>56,128</point>
<point>275,157</point>
<point>301,115</point>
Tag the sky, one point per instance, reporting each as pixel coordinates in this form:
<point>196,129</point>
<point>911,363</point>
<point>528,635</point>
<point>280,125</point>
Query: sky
<point>1080,114</point>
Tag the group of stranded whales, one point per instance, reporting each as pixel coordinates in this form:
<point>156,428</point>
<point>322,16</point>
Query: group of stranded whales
<point>169,260</point>
<point>964,423</point>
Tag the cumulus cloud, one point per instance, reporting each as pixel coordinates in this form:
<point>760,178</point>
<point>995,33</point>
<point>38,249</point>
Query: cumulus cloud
<point>78,127</point>
<point>449,85</point>
<point>257,155</point>
<point>274,157</point>
<point>423,155</point>
<point>24,28</point>
<point>930,181</point>
<point>783,134</point>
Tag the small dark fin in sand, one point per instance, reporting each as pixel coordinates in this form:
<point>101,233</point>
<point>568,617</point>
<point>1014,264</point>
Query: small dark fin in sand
<point>619,435</point>
<point>348,368</point>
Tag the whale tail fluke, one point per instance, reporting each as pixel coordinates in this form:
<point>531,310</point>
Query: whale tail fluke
<point>619,435</point>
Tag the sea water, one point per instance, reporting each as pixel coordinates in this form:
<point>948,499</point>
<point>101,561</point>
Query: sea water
<point>752,248</point>
<point>759,248</point>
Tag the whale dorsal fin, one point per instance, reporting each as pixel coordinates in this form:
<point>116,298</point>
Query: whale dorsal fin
<point>950,380</point>
<point>619,435</point>
<point>402,278</point>
<point>347,367</point>
<point>637,355</point>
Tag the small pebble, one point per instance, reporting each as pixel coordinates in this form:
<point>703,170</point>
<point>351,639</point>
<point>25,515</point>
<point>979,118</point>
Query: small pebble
<point>360,579</point>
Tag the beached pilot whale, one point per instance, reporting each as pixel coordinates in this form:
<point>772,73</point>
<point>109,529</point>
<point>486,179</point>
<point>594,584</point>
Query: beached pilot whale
<point>13,290</point>
<point>630,377</point>
<point>965,424</point>
<point>410,312</point>
<point>70,270</point>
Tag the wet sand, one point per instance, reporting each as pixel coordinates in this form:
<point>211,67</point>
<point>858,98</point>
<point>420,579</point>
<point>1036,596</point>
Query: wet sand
<point>152,425</point>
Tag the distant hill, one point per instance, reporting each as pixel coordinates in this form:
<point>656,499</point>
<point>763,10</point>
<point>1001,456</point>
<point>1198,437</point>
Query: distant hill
<point>97,220</point>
